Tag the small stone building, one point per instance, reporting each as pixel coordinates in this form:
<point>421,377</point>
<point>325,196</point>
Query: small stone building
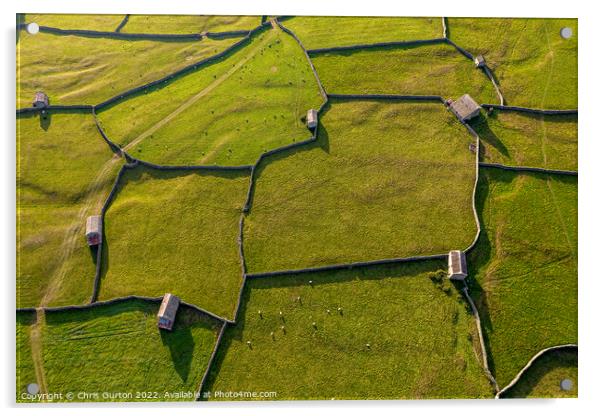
<point>479,61</point>
<point>456,265</point>
<point>465,108</point>
<point>40,100</point>
<point>94,230</point>
<point>167,311</point>
<point>312,118</point>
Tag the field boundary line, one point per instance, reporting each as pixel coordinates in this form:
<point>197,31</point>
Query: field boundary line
<point>75,107</point>
<point>518,109</point>
<point>484,353</point>
<point>533,359</point>
<point>376,45</point>
<point>123,23</point>
<point>476,184</point>
<point>100,303</point>
<point>210,362</point>
<point>529,169</point>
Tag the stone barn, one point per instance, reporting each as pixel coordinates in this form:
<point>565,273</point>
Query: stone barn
<point>40,100</point>
<point>312,118</point>
<point>479,61</point>
<point>456,265</point>
<point>167,311</point>
<point>94,230</point>
<point>465,108</point>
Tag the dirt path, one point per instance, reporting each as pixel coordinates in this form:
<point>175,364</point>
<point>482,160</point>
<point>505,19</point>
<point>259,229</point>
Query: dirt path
<point>35,338</point>
<point>191,101</point>
<point>91,204</point>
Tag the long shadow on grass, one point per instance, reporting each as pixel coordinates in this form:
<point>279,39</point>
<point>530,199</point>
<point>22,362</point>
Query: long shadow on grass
<point>479,258</point>
<point>235,333</point>
<point>549,362</point>
<point>482,128</point>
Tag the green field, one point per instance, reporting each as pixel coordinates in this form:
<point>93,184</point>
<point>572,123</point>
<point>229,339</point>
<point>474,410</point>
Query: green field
<point>543,379</point>
<point>89,70</point>
<point>100,22</point>
<point>64,173</point>
<point>378,183</point>
<point>119,349</point>
<point>25,370</point>
<point>422,338</point>
<point>324,32</point>
<point>525,266</point>
<point>415,70</point>
<point>228,113</point>
<point>534,65</point>
<point>173,24</point>
<point>175,232</point>
<point>520,139</point>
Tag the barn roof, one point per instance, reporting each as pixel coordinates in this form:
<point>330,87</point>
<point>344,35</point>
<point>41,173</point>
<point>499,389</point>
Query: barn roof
<point>457,262</point>
<point>40,97</point>
<point>465,107</point>
<point>169,307</point>
<point>94,224</point>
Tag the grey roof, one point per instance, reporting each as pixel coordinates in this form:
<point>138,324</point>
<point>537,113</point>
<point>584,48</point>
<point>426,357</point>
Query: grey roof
<point>465,107</point>
<point>40,97</point>
<point>94,224</point>
<point>169,307</point>
<point>479,60</point>
<point>312,117</point>
<point>457,263</point>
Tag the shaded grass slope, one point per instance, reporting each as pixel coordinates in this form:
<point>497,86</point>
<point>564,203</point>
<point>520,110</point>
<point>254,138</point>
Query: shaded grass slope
<point>525,266</point>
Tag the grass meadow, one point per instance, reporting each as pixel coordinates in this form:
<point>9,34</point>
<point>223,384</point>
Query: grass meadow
<point>524,267</point>
<point>384,179</point>
<point>519,139</point>
<point>119,349</point>
<point>174,24</point>
<point>89,70</point>
<point>534,65</point>
<point>421,336</point>
<point>328,31</point>
<point>25,371</point>
<point>414,70</point>
<point>543,379</point>
<point>226,114</point>
<point>177,232</point>
<point>64,173</point>
<point>100,22</point>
